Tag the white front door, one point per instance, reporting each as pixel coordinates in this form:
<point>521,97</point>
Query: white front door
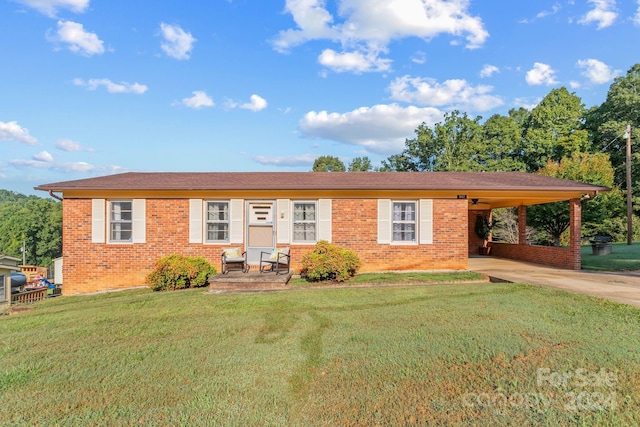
<point>260,229</point>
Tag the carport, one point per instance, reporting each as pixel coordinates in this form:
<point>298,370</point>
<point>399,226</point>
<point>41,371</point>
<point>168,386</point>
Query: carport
<point>521,191</point>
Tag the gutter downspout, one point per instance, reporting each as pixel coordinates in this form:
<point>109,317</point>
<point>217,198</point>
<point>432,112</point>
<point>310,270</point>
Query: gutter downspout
<point>54,195</point>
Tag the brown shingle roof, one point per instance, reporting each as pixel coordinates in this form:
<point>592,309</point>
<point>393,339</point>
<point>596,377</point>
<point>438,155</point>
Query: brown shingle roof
<point>152,181</point>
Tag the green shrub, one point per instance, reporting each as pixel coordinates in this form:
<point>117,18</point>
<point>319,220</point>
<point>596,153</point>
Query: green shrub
<point>179,272</point>
<point>329,262</point>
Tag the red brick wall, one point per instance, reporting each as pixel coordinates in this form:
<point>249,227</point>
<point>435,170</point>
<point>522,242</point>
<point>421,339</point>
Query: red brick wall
<point>474,241</point>
<point>90,267</point>
<point>355,226</point>
<point>545,255</point>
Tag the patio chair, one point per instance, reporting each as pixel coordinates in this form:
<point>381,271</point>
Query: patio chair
<point>234,259</point>
<point>278,260</point>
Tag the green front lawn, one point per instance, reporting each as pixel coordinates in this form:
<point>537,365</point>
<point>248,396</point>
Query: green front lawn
<point>474,354</point>
<point>397,278</point>
<point>622,258</point>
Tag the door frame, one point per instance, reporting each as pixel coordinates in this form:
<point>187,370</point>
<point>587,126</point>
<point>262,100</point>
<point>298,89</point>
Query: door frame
<point>253,252</point>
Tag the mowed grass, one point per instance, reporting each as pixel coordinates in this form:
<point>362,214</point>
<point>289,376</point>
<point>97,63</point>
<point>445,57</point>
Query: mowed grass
<point>465,354</point>
<point>622,258</point>
<point>397,278</point>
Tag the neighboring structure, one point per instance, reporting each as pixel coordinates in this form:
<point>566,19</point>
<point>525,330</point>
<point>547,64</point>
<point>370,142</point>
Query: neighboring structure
<point>116,227</point>
<point>7,265</point>
<point>57,271</point>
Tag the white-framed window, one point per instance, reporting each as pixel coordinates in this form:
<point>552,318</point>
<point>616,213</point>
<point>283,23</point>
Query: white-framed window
<point>305,220</point>
<point>217,221</point>
<point>400,224</point>
<point>118,221</point>
<point>121,221</point>
<point>403,220</point>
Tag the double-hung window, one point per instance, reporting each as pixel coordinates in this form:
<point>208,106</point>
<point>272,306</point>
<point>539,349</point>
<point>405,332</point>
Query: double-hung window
<point>217,221</point>
<point>120,221</point>
<point>304,222</point>
<point>403,217</point>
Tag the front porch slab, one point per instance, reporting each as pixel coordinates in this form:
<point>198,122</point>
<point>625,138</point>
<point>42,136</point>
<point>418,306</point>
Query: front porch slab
<point>250,281</point>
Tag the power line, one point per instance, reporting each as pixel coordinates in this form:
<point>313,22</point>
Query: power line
<point>612,141</point>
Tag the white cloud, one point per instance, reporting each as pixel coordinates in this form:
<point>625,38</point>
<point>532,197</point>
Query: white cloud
<point>368,26</point>
<point>257,103</point>
<point>454,93</point>
<point>313,21</point>
<point>78,40</point>
<point>12,131</point>
<point>50,165</point>
<point>287,161</point>
<point>122,87</point>
<point>198,100</point>
<point>543,14</point>
<point>554,9</point>
<point>43,156</point>
<point>70,145</point>
<point>541,74</point>
<point>419,58</point>
<point>636,18</point>
<point>574,84</point>
<point>355,61</point>
<point>380,129</point>
<point>603,13</point>
<point>177,43</point>
<point>527,103</point>
<point>489,70</point>
<point>50,7</point>
<point>45,161</point>
<point>597,71</point>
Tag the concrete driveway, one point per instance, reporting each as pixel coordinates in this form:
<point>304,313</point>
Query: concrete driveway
<point>623,287</point>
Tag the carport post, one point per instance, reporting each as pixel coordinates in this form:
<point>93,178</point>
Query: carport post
<point>522,225</point>
<point>575,233</point>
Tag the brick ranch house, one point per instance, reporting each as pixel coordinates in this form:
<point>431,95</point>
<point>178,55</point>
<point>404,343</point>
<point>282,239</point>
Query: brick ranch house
<point>116,227</point>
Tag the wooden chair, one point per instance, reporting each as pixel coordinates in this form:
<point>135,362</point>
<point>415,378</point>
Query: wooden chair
<point>278,260</point>
<point>234,259</point>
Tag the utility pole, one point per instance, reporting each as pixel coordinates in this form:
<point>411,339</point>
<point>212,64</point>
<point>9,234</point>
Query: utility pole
<point>629,206</point>
<point>23,249</point>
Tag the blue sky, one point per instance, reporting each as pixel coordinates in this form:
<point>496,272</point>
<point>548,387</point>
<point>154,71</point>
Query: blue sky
<point>94,87</point>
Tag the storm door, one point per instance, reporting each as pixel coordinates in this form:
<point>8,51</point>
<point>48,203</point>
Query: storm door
<point>260,230</point>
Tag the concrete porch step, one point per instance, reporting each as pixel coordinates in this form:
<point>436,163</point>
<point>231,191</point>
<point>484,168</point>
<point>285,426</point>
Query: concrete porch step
<point>252,280</point>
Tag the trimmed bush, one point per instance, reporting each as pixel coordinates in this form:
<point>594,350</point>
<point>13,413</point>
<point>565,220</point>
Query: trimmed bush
<point>329,262</point>
<point>180,272</point>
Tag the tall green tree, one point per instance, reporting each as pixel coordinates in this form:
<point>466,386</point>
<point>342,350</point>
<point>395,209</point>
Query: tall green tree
<point>608,122</point>
<point>360,164</point>
<point>601,215</point>
<point>554,129</point>
<point>328,164</point>
<point>460,143</point>
<point>451,145</point>
<point>33,220</point>
<point>502,141</point>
